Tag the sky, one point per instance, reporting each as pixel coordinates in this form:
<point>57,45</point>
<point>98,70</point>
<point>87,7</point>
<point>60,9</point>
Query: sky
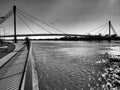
<point>70,16</point>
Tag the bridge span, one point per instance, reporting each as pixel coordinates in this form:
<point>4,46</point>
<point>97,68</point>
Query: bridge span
<point>24,35</point>
<point>107,28</point>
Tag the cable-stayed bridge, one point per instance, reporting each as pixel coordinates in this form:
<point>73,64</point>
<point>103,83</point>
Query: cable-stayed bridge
<point>106,29</point>
<point>23,35</point>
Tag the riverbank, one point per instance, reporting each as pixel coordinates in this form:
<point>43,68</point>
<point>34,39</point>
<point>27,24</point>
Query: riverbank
<point>10,48</point>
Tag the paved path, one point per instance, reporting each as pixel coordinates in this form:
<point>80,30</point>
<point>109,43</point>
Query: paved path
<point>10,55</point>
<point>11,69</point>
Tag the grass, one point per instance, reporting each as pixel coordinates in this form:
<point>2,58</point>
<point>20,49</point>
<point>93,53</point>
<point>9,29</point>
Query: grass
<point>4,52</point>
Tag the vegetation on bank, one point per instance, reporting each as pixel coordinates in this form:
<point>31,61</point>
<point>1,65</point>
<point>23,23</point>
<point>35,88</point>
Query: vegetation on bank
<point>5,51</point>
<point>91,37</point>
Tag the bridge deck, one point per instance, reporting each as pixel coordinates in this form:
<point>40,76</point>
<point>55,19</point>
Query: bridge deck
<point>24,35</point>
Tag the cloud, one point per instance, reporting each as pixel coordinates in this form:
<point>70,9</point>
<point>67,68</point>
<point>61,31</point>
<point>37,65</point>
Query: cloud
<point>68,12</point>
<point>72,11</point>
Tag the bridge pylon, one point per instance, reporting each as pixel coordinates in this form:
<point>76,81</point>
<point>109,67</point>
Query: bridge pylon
<point>14,12</point>
<point>109,30</point>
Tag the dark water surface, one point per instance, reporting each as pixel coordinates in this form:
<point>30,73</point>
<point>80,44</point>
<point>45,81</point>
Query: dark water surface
<point>76,65</point>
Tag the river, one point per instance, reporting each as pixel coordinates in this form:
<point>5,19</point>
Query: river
<point>76,65</point>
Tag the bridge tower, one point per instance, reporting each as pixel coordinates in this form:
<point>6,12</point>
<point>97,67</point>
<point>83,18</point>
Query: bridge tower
<point>109,31</point>
<point>109,28</point>
<point>14,12</point>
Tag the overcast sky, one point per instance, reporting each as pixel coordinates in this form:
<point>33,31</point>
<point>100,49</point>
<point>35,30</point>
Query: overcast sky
<point>71,16</point>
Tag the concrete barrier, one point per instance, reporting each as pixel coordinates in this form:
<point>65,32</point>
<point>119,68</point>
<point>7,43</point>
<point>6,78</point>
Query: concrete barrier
<point>30,80</point>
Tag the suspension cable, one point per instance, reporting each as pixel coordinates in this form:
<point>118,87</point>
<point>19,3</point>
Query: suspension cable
<point>25,23</point>
<point>113,30</point>
<point>41,21</point>
<point>35,23</point>
<point>101,29</point>
<point>96,28</point>
<point>105,31</point>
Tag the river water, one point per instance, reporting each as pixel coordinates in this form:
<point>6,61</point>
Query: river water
<point>76,65</point>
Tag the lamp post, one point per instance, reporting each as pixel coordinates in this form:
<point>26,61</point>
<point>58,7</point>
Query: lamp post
<point>3,31</point>
<point>2,27</point>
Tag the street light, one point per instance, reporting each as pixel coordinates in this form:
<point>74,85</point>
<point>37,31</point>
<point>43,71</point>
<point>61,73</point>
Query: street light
<point>3,30</point>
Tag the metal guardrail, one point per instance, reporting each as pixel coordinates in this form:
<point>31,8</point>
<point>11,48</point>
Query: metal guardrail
<point>11,71</point>
<point>20,70</point>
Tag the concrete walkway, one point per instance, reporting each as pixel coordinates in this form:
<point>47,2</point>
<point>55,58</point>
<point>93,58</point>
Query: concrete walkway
<point>10,55</point>
<point>12,67</point>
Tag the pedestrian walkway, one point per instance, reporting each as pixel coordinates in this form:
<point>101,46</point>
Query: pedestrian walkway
<point>12,69</point>
<point>10,55</point>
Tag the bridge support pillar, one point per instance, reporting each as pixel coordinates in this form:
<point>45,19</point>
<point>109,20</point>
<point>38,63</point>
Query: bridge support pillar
<point>109,30</point>
<point>14,11</point>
